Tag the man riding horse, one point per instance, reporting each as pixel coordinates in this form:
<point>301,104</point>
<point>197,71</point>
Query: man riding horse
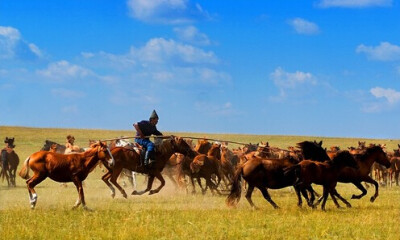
<point>144,129</point>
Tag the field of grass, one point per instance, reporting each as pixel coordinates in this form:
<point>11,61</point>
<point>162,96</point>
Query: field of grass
<point>173,214</point>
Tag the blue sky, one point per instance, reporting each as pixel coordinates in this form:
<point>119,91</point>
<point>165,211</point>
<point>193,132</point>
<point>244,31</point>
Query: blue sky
<point>288,67</point>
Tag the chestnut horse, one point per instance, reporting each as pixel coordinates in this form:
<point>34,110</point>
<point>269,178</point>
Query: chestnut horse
<point>64,168</point>
<point>129,159</point>
<point>207,165</point>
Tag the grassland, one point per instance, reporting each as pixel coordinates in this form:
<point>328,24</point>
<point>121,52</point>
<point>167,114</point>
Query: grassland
<point>173,214</point>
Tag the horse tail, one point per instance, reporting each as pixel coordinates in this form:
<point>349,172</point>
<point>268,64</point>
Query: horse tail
<point>24,172</point>
<point>236,190</point>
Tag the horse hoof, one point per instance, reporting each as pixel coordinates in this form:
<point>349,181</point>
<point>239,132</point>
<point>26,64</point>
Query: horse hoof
<point>88,209</point>
<point>152,192</point>
<point>124,195</point>
<point>135,193</point>
<point>372,199</point>
<point>112,195</point>
<point>348,205</point>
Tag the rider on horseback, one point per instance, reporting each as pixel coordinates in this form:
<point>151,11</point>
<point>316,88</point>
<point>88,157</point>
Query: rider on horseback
<point>144,129</point>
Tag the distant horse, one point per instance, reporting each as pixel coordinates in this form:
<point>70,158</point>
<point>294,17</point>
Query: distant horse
<point>323,173</point>
<point>361,174</point>
<point>64,168</point>
<point>128,159</point>
<point>9,167</point>
<point>207,165</point>
<point>48,145</point>
<point>9,162</point>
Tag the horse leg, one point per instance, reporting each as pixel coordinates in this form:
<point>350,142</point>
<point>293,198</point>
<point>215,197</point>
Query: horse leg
<point>361,187</point>
<point>396,177</point>
<point>114,177</point>
<point>133,180</point>
<point>334,199</point>
<point>159,177</point>
<point>105,179</point>
<point>299,200</point>
<point>341,198</point>
<point>81,196</point>
<point>248,197</point>
<point>31,183</point>
<point>267,197</point>
<point>372,181</point>
<point>324,197</point>
<point>149,185</point>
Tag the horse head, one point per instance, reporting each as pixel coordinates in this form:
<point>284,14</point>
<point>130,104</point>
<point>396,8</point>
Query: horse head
<point>103,152</point>
<point>313,151</point>
<point>181,146</point>
<point>378,154</point>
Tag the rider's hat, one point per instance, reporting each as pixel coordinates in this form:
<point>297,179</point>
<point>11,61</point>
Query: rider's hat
<point>153,115</point>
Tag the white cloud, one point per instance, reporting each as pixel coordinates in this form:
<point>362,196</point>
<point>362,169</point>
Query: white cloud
<point>284,79</point>
<point>66,93</point>
<point>355,3</point>
<point>391,95</point>
<point>159,50</point>
<point>193,35</point>
<point>165,11</point>
<point>384,52</point>
<point>63,70</point>
<point>12,46</point>
<point>303,26</point>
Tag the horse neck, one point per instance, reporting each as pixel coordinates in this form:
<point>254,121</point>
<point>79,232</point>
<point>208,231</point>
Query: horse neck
<point>214,152</point>
<point>90,157</point>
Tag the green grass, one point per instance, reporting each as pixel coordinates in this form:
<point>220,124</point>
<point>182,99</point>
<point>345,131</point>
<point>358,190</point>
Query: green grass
<point>173,214</point>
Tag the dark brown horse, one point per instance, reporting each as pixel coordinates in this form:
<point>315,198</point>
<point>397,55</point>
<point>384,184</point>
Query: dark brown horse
<point>361,174</point>
<point>64,168</point>
<point>323,173</point>
<point>125,158</point>
<point>263,173</point>
<point>9,167</point>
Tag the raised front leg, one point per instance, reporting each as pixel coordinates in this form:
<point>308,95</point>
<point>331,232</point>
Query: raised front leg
<point>362,188</point>
<point>114,177</point>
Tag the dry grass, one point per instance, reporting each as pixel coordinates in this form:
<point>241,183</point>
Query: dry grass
<point>173,214</point>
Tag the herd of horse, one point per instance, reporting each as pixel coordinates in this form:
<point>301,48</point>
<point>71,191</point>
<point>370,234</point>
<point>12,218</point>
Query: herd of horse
<point>222,169</point>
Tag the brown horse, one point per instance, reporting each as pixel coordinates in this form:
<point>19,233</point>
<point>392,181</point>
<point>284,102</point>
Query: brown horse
<point>207,165</point>
<point>9,167</point>
<point>64,168</point>
<point>361,174</point>
<point>125,158</point>
<point>265,173</point>
<point>323,173</point>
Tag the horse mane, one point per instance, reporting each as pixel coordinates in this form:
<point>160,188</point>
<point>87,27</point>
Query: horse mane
<point>164,147</point>
<point>368,151</point>
<point>343,155</point>
<point>313,151</point>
